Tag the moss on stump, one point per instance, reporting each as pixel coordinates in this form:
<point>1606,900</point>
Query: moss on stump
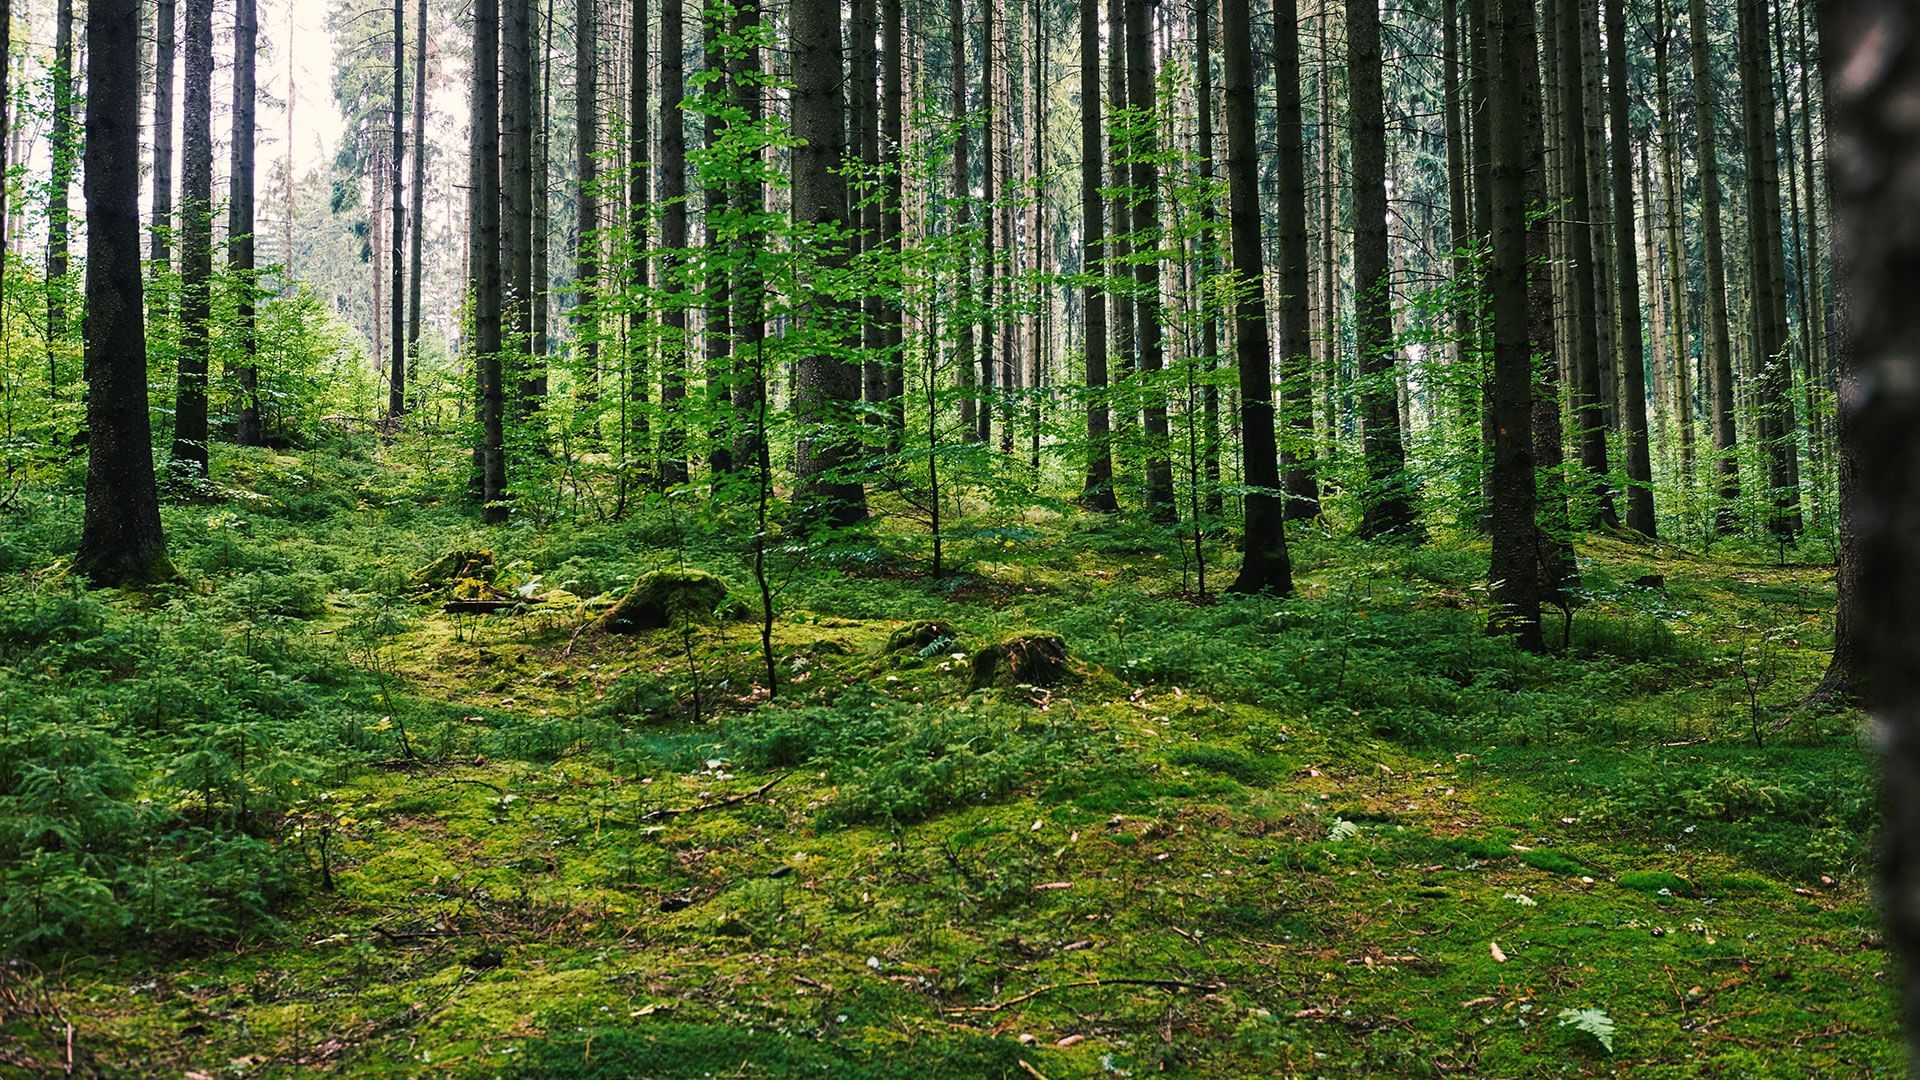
<point>1029,659</point>
<point>917,635</point>
<point>664,597</point>
<point>454,567</point>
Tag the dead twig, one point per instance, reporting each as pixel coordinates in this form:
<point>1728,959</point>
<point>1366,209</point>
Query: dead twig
<point>1163,984</point>
<point>734,800</point>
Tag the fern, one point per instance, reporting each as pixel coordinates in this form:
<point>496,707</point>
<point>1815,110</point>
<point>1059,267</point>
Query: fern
<point>1594,1022</point>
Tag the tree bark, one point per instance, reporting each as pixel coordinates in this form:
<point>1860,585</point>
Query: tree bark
<point>516,207</point>
<point>1719,358</point>
<point>165,45</point>
<point>196,245</point>
<point>1872,64</point>
<point>1264,566</point>
<point>673,239</point>
<point>1387,502</point>
<point>586,240</point>
<point>121,542</point>
<point>1514,566</point>
<point>1097,490</point>
<point>1145,174</point>
<point>826,384</point>
<point>1588,408</point>
<point>59,181</point>
<point>1633,405</point>
<point>484,260</point>
<point>396,230</point>
<point>1767,272</point>
<point>1295,315</point>
<point>419,187</point>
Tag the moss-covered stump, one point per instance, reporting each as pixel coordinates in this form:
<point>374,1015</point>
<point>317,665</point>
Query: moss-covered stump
<point>917,635</point>
<point>1030,659</point>
<point>454,567</point>
<point>664,597</point>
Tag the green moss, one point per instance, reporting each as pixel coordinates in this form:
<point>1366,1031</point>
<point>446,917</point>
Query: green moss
<point>662,598</point>
<point>1651,881</point>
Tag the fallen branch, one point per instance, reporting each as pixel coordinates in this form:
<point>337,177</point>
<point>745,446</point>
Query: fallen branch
<point>677,811</point>
<point>1163,984</point>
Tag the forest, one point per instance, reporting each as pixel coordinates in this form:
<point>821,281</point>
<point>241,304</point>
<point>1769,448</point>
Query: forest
<point>619,538</point>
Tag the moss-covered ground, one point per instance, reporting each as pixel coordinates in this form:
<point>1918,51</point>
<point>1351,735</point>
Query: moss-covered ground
<point>1338,835</point>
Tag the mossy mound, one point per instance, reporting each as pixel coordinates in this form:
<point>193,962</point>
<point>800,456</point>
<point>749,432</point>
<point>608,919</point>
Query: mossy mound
<point>917,635</point>
<point>665,597</point>
<point>454,567</point>
<point>1030,659</point>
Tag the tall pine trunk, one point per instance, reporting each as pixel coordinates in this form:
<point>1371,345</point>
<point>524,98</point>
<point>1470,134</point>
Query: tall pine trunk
<point>196,245</point>
<point>1773,390</point>
<point>1145,175</point>
<point>165,46</point>
<point>1514,566</point>
<point>1296,333</point>
<point>121,542</point>
<point>484,260</point>
<point>240,221</point>
<point>1633,404</point>
<point>1264,566</point>
<point>396,229</point>
<point>1717,328</point>
<point>673,238</point>
<point>826,384</point>
<point>419,187</point>
<point>1097,490</point>
<point>1387,502</point>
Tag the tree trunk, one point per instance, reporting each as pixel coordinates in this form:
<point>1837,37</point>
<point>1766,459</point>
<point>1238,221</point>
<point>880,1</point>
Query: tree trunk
<point>826,384</point>
<point>419,192</point>
<point>1767,272</point>
<point>1514,566</point>
<point>1872,63</point>
<point>1589,410</point>
<point>1264,566</point>
<point>970,405</point>
<point>749,326</point>
<point>396,229</point>
<point>673,238</point>
<point>196,245</point>
<point>516,206</point>
<point>1097,491</point>
<point>639,220</point>
<point>1633,405</point>
<point>1119,273</point>
<point>990,316</point>
<point>164,47</point>
<point>1296,333</point>
<point>1675,273</point>
<point>121,542</point>
<point>1553,543</point>
<point>716,334</point>
<point>1387,502</point>
<point>893,326</point>
<point>586,240</point>
<point>59,181</point>
<point>484,260</point>
<point>1146,218</point>
<point>240,221</point>
<point>1719,358</point>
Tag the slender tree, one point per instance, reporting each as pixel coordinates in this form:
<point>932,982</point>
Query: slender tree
<point>1588,407</point>
<point>716,335</point>
<point>1294,300</point>
<point>1514,566</point>
<point>673,239</point>
<point>196,245</point>
<point>826,383</point>
<point>165,44</point>
<point>396,227</point>
<point>962,218</point>
<point>59,181</point>
<point>892,232</point>
<point>121,542</point>
<point>586,238</point>
<point>1872,65</point>
<point>1773,389</point>
<point>484,259</point>
<point>640,212</point>
<point>240,222</point>
<point>1097,490</point>
<point>1145,175</point>
<point>1633,404</point>
<point>516,199</point>
<point>1264,565</point>
<point>419,186</point>
<point>1719,350</point>
<point>1387,503</point>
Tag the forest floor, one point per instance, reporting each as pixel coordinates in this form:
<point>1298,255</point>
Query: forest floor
<point>1343,834</point>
